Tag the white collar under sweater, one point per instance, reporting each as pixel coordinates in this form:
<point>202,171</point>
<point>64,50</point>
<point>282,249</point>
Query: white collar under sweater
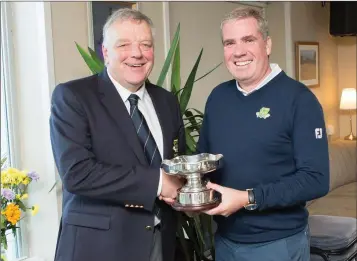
<point>275,70</point>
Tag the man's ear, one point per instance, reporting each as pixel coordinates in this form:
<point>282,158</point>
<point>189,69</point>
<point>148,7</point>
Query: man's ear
<point>268,45</point>
<point>105,54</point>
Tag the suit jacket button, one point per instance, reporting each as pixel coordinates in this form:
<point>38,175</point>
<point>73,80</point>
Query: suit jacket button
<point>148,228</point>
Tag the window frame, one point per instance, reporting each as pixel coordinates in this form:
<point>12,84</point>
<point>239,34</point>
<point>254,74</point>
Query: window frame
<point>7,77</point>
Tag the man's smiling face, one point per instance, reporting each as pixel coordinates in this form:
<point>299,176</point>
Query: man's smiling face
<point>129,52</point>
<point>245,51</point>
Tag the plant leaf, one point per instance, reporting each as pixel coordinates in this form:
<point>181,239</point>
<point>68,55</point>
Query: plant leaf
<point>198,228</point>
<point>186,93</point>
<point>176,70</point>
<point>13,229</point>
<point>95,58</point>
<point>208,72</point>
<point>92,65</point>
<point>21,205</point>
<point>54,185</point>
<point>177,92</point>
<point>169,56</point>
<point>4,242</point>
<point>190,142</point>
<point>206,222</point>
<point>211,233</point>
<point>193,117</point>
<point>197,111</point>
<point>194,123</point>
<point>189,129</point>
<point>3,160</point>
<point>188,225</point>
<point>2,223</point>
<point>181,236</point>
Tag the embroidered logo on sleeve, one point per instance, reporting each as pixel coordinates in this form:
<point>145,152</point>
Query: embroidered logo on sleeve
<point>318,133</point>
<point>263,113</point>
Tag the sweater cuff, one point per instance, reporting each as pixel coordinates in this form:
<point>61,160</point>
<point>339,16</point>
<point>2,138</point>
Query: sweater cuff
<point>258,195</point>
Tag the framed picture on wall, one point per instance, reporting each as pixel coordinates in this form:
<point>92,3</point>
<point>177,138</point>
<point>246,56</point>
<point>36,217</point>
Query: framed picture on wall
<point>98,12</point>
<point>307,60</point>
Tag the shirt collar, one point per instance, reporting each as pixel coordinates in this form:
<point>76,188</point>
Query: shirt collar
<point>125,93</point>
<point>275,70</point>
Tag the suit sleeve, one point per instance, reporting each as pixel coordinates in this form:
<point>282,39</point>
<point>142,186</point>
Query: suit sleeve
<point>81,173</point>
<point>310,148</point>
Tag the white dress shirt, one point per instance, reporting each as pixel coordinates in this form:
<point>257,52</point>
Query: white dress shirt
<point>146,107</point>
<point>275,70</point>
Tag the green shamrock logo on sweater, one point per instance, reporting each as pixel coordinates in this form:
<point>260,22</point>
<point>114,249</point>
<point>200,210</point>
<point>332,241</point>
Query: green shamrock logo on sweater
<point>263,113</point>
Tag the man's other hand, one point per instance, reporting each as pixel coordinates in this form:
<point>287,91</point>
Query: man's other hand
<point>170,185</point>
<point>232,200</point>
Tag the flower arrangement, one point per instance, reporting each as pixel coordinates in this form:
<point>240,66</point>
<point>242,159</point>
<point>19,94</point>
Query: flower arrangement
<point>14,184</point>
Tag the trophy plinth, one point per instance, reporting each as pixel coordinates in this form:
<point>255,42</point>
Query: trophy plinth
<point>194,195</point>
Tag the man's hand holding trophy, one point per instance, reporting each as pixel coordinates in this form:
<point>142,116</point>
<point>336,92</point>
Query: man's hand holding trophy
<point>193,196</point>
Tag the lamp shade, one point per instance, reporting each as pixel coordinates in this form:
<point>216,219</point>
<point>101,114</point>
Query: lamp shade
<point>348,99</point>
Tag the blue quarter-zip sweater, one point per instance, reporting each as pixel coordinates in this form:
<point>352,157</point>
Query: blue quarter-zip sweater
<point>274,141</point>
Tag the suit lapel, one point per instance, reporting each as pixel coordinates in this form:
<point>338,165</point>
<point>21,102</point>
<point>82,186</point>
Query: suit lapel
<point>117,110</point>
<point>162,112</point>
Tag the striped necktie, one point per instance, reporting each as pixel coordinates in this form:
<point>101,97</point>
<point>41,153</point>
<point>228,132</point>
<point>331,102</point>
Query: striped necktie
<point>146,139</point>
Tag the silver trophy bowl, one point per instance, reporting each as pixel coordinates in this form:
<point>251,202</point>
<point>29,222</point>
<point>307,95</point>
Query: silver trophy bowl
<point>194,195</point>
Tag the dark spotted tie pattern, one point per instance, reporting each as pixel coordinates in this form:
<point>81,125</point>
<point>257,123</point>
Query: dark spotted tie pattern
<point>146,139</point>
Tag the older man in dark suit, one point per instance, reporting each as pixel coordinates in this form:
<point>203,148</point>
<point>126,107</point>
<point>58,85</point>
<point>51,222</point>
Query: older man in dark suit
<point>109,135</point>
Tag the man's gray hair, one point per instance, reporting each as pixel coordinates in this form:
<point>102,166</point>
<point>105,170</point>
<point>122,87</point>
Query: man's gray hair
<point>248,12</point>
<point>125,14</point>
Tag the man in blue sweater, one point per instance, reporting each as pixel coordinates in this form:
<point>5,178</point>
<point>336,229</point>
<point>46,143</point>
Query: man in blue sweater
<point>271,132</point>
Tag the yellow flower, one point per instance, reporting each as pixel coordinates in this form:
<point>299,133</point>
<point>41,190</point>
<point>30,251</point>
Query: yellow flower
<point>12,213</point>
<point>26,181</point>
<point>5,178</point>
<point>24,196</point>
<point>9,176</point>
<point>35,209</point>
<point>12,176</point>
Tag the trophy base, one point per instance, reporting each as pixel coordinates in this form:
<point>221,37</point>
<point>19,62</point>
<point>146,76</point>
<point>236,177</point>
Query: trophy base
<point>195,207</point>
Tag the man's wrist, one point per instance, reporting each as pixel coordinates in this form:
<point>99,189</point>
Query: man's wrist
<point>252,204</point>
<point>251,197</point>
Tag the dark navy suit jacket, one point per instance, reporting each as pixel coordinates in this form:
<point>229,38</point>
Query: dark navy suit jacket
<point>108,189</point>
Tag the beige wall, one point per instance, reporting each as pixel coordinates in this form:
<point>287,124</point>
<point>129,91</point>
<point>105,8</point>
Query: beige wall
<point>200,29</point>
<point>346,78</point>
<point>275,14</point>
<point>155,11</point>
<point>313,26</point>
<point>69,25</point>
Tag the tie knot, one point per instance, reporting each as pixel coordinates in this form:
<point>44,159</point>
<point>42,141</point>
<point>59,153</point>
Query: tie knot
<point>133,99</point>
